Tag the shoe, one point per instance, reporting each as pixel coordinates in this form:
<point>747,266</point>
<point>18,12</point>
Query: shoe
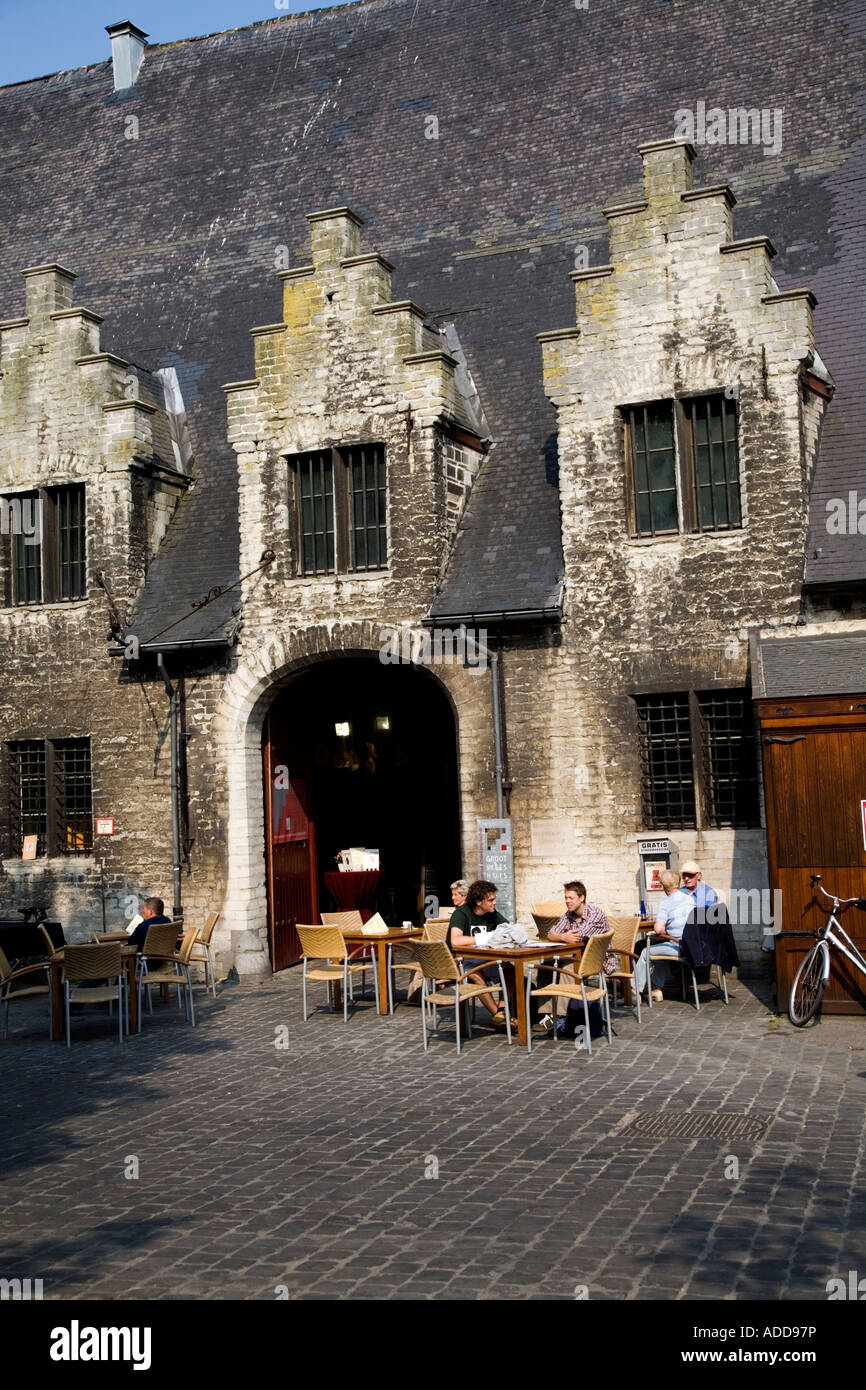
<point>497,1020</point>
<point>544,1025</point>
<point>657,996</point>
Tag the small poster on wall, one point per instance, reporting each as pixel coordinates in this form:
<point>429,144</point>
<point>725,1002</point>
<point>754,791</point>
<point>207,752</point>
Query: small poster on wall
<point>652,869</point>
<point>28,848</point>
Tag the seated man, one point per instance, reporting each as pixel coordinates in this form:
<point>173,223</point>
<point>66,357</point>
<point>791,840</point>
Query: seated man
<point>478,914</point>
<point>673,913</point>
<point>579,922</point>
<point>152,915</point>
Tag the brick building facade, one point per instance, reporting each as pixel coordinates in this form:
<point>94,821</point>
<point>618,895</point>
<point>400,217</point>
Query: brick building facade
<point>255,520</point>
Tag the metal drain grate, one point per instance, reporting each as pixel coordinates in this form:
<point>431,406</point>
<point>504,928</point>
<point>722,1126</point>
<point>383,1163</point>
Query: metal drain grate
<point>687,1124</point>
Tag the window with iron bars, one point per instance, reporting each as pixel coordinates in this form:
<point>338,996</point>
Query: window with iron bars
<point>341,509</point>
<point>47,550</point>
<point>50,795</point>
<point>683,466</point>
<point>698,760</point>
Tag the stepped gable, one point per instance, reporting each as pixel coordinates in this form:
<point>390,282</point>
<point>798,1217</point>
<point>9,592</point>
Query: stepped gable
<point>174,219</point>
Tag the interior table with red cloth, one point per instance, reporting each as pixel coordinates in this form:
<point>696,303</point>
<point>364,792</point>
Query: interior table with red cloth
<point>354,890</point>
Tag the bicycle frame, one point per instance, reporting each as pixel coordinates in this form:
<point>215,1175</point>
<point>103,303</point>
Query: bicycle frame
<point>853,955</point>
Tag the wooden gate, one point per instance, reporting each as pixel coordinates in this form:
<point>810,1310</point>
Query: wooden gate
<point>814,753</point>
<point>293,894</point>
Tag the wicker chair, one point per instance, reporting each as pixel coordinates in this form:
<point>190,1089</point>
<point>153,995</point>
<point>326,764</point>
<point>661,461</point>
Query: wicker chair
<point>435,929</point>
<point>8,976</point>
<point>87,963</point>
<point>326,944</point>
<point>160,942</point>
<point>351,920</point>
<point>203,947</point>
<point>591,964</point>
<point>625,930</point>
<point>546,915</point>
<point>169,968</point>
<point>439,966</point>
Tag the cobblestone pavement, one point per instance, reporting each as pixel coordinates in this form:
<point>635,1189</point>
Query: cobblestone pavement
<point>313,1167</point>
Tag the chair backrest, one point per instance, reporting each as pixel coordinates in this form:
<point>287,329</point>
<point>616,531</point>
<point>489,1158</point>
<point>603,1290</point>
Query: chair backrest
<point>436,961</point>
<point>594,952</point>
<point>435,929</point>
<point>92,962</point>
<point>50,948</point>
<point>346,921</point>
<point>445,912</point>
<point>553,909</point>
<point>161,940</point>
<point>207,930</point>
<point>190,937</point>
<point>322,943</point>
<point>5,968</point>
<point>624,933</point>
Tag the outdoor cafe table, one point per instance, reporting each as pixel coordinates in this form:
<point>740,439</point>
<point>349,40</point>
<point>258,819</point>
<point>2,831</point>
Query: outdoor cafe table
<point>521,956</point>
<point>127,954</point>
<point>356,937</point>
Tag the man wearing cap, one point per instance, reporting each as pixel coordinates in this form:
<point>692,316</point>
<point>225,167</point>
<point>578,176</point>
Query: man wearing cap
<point>673,913</point>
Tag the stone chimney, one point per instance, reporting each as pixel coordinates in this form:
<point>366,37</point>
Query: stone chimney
<point>127,51</point>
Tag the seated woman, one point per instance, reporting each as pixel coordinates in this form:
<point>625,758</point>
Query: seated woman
<point>478,913</point>
<point>459,889</point>
<point>670,921</point>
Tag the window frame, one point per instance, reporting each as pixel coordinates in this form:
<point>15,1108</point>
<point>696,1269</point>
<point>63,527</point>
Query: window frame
<point>342,510</point>
<point>685,466</point>
<point>50,566</point>
<point>55,814</point>
<point>704,741</point>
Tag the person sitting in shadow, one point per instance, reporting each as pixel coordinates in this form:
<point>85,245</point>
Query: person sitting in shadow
<point>152,915</point>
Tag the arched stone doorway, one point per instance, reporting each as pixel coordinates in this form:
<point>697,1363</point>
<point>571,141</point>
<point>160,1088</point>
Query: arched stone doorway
<point>358,754</point>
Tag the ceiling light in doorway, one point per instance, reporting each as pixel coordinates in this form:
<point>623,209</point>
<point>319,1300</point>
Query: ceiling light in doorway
<point>343,730</point>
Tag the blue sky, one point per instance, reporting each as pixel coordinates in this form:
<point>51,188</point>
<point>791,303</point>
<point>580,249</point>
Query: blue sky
<point>43,36</point>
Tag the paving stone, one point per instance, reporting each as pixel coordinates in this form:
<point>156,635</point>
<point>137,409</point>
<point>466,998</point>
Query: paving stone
<point>314,1178</point>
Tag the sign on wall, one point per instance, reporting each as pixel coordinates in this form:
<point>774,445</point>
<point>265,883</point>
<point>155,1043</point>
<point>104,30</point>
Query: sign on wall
<point>496,861</point>
<point>552,839</point>
<point>104,825</point>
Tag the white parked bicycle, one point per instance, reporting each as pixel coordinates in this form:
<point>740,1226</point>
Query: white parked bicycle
<point>811,979</point>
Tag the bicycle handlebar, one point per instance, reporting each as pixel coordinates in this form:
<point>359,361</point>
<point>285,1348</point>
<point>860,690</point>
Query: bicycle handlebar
<point>815,881</point>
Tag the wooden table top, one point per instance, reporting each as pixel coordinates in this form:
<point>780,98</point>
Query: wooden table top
<point>544,948</point>
<point>392,934</point>
<point>57,958</point>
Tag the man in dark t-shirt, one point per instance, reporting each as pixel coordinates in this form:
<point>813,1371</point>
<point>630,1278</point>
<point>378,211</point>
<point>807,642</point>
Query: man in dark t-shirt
<point>477,914</point>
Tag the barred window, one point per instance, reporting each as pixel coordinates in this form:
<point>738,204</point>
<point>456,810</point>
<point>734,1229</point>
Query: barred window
<point>315,473</point>
<point>713,457</point>
<point>683,466</point>
<point>652,454</point>
<point>50,795</point>
<point>367,482</point>
<point>699,760</point>
<point>27,793</point>
<point>47,533</point>
<point>731,758</point>
<point>666,761</point>
<point>341,508</point>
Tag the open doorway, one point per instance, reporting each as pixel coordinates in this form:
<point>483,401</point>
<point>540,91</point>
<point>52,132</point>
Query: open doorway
<point>359,755</point>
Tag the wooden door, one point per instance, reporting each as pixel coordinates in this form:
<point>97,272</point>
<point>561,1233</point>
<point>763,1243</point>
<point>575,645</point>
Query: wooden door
<point>293,894</point>
<point>814,754</point>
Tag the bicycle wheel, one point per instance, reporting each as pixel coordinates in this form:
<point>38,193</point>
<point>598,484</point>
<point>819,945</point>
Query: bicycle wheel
<point>808,987</point>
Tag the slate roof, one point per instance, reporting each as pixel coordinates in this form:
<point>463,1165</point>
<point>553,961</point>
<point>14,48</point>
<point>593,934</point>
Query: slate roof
<point>822,665</point>
<point>541,108</point>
